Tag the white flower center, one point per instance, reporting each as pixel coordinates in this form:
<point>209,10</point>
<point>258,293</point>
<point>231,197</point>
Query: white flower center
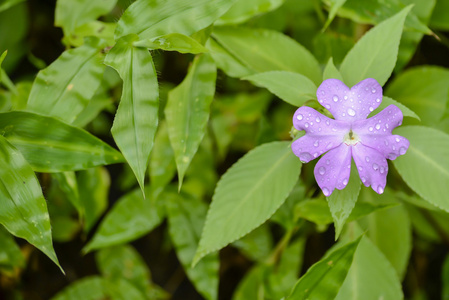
<point>351,138</point>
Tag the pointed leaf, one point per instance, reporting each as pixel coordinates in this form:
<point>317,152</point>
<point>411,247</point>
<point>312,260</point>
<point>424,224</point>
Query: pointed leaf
<point>263,50</point>
<point>334,6</point>
<point>291,87</point>
<point>330,71</point>
<point>248,194</point>
<point>375,54</point>
<point>64,88</point>
<point>242,11</point>
<point>188,109</point>
<point>186,217</point>
<point>324,279</point>
<point>159,17</point>
<point>136,118</point>
<point>24,210</point>
<point>50,145</point>
<point>173,42</point>
<point>425,166</point>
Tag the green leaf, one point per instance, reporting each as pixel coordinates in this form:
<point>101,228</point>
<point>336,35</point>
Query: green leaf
<point>386,101</point>
<point>50,145</point>
<point>136,119</point>
<point>66,182</point>
<point>424,89</point>
<point>93,187</point>
<point>2,58</point>
<point>130,218</point>
<point>94,28</point>
<point>425,166</point>
<point>124,262</point>
<point>334,7</point>
<point>262,50</point>
<point>371,276</point>
<point>10,254</point>
<point>341,202</point>
<point>9,3</point>
<point>242,11</point>
<point>291,87</point>
<point>186,217</point>
<point>159,17</point>
<point>24,210</point>
<point>257,244</point>
<point>330,71</point>
<point>188,109</point>
<point>162,166</point>
<point>65,87</point>
<point>439,19</point>
<point>248,194</point>
<point>173,42</point>
<point>324,278</point>
<point>374,55</point>
<point>64,228</point>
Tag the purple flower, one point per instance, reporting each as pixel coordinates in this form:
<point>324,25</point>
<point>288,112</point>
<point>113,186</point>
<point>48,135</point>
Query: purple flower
<point>369,141</point>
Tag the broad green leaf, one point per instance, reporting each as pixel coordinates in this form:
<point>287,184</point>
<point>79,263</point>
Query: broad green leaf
<point>24,210</point>
<point>130,218</point>
<point>188,109</point>
<point>9,3</point>
<point>371,276</point>
<point>64,88</point>
<point>257,244</point>
<point>341,202</point>
<point>389,229</point>
<point>186,217</point>
<point>50,145</point>
<point>159,17</point>
<point>70,14</point>
<point>375,11</point>
<point>439,19</point>
<point>162,166</point>
<point>330,71</point>
<point>324,278</point>
<point>374,55</point>
<point>425,166</point>
<point>10,255</point>
<point>99,29</point>
<point>424,89</point>
<point>124,262</point>
<point>173,42</point>
<point>248,194</point>
<point>291,87</point>
<point>386,101</point>
<point>93,187</point>
<point>136,118</point>
<point>242,11</point>
<point>334,7</point>
<point>262,50</point>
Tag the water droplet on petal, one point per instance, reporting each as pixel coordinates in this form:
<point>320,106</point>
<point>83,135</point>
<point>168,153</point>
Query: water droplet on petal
<point>375,167</point>
<point>327,122</point>
<point>343,114</point>
<point>377,126</point>
<point>328,106</point>
<point>382,170</point>
<point>326,192</point>
<point>345,181</point>
<point>329,146</point>
<point>318,120</point>
<point>305,157</point>
<point>402,150</point>
<point>363,179</point>
<point>367,159</point>
<point>394,148</point>
<point>345,97</point>
<point>299,117</point>
<point>378,100</point>
<point>380,189</point>
<point>386,142</point>
<point>361,168</point>
<point>373,91</point>
<point>317,143</point>
<point>371,108</point>
<point>397,140</point>
<point>306,125</point>
<point>335,98</point>
<point>322,170</point>
<point>371,128</point>
<point>351,112</point>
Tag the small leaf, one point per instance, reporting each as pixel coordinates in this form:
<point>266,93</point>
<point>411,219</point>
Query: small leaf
<point>291,87</point>
<point>334,6</point>
<point>24,210</point>
<point>242,11</point>
<point>439,18</point>
<point>375,54</point>
<point>262,50</point>
<point>64,88</point>
<point>330,71</point>
<point>188,109</point>
<point>324,279</point>
<point>173,42</point>
<point>341,202</point>
<point>50,145</point>
<point>248,194</point>
<point>425,166</point>
<point>130,218</point>
<point>136,118</point>
<point>156,18</point>
<point>186,217</point>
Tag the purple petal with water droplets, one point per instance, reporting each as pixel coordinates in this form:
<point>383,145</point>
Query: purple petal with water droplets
<point>381,124</point>
<point>333,169</point>
<point>390,146</point>
<point>350,104</point>
<point>372,167</point>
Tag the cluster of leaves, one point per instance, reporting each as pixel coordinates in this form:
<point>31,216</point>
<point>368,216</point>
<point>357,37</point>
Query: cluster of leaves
<point>51,127</point>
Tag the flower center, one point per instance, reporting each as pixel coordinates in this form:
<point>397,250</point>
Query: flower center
<point>351,138</point>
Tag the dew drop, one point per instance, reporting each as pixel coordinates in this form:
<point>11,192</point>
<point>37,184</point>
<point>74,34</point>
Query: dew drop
<point>378,100</point>
<point>402,150</point>
<point>386,125</point>
<point>345,181</point>
<point>329,146</point>
<point>335,98</point>
<point>306,125</point>
<point>371,108</point>
<point>351,112</point>
<point>318,120</point>
<point>363,179</point>
<point>319,129</point>
<point>305,157</point>
<point>380,189</point>
<point>328,106</point>
<point>322,170</point>
<point>371,128</point>
<point>315,154</point>
<point>386,142</point>
<point>345,97</point>
<point>394,148</point>
<point>397,140</point>
<point>327,122</point>
<point>382,170</point>
<point>326,192</point>
<point>367,159</point>
<point>377,126</point>
<point>343,114</point>
<point>299,117</point>
<point>361,168</point>
<point>373,91</point>
<point>328,161</point>
<point>375,167</point>
<point>317,143</point>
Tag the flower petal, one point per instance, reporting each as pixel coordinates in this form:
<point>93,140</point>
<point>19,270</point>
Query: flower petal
<point>333,169</point>
<point>350,104</point>
<point>375,133</point>
<point>372,167</point>
<point>322,133</point>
